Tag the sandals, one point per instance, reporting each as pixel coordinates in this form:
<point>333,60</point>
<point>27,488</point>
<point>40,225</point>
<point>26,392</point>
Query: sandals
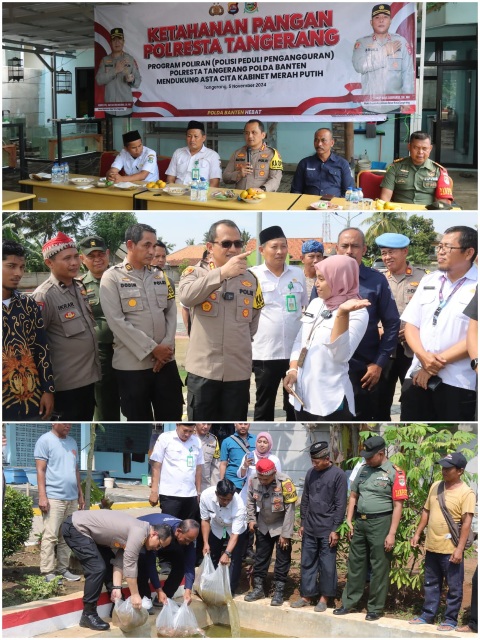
<point>418,620</point>
<point>446,627</point>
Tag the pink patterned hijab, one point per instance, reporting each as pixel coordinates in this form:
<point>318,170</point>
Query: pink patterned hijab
<point>341,274</point>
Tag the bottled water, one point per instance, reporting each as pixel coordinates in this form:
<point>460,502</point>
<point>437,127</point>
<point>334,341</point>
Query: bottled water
<point>60,173</point>
<point>348,195</point>
<point>55,173</point>
<point>203,190</point>
<point>194,186</point>
<point>354,199</point>
<point>66,172</point>
<point>360,198</point>
<point>194,190</point>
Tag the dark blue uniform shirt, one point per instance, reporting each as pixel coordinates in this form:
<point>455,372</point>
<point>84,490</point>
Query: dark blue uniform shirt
<point>318,178</point>
<point>373,349</point>
<point>188,550</point>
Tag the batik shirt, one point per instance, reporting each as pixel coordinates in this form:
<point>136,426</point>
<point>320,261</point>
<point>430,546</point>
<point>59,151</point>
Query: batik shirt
<point>27,370</point>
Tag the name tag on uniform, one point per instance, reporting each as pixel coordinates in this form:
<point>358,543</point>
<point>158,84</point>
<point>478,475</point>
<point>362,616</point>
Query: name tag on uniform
<point>291,302</point>
<point>190,461</point>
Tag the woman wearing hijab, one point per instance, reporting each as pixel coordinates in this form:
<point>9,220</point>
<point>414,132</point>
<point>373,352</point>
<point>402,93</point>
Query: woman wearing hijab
<point>332,327</point>
<point>263,447</point>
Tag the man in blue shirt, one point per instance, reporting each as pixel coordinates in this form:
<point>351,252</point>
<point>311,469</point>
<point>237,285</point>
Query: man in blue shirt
<point>373,351</point>
<point>180,553</point>
<point>324,173</point>
<point>232,451</point>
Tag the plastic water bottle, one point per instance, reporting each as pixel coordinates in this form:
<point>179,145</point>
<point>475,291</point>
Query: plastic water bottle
<point>194,186</point>
<point>194,190</point>
<point>360,198</point>
<point>203,190</point>
<point>66,172</point>
<point>60,173</point>
<point>354,199</point>
<point>55,173</point>
<point>348,195</point>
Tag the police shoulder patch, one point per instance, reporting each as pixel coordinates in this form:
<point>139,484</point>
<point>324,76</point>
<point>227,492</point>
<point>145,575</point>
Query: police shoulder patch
<point>187,271</point>
<point>289,491</point>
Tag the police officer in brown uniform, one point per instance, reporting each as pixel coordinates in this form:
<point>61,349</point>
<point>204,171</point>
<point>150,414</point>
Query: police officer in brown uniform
<point>254,165</point>
<point>70,328</point>
<point>95,255</point>
<point>211,455</point>
<point>403,280</point>
<point>139,305</point>
<point>271,513</point>
<point>224,299</point>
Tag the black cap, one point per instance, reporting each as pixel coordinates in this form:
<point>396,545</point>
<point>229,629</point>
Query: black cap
<point>195,124</point>
<point>270,233</point>
<point>117,32</point>
<point>319,450</point>
<point>381,8</point>
<point>92,243</point>
<point>372,446</point>
<point>453,460</point>
<point>131,136</point>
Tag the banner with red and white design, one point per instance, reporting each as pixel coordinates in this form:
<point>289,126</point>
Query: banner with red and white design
<point>234,61</point>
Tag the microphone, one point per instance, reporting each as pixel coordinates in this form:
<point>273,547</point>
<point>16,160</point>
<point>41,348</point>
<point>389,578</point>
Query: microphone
<point>249,155</point>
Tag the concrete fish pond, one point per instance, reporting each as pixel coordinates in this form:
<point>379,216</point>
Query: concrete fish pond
<point>54,619</point>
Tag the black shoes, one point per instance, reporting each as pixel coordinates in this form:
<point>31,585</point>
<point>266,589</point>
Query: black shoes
<point>372,616</point>
<point>341,611</point>
<point>94,622</point>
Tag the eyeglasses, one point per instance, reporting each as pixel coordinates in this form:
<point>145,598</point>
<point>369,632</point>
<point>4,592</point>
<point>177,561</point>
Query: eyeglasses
<point>447,248</point>
<point>226,244</point>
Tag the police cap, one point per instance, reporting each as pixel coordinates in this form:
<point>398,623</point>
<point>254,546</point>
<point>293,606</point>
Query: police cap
<point>381,8</point>
<point>117,32</point>
<point>392,241</point>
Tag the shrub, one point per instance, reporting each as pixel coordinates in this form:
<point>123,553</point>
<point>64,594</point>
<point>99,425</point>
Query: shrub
<point>36,588</point>
<point>17,521</point>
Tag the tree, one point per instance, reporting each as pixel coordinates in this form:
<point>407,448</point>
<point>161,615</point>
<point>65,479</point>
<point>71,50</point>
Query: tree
<point>169,245</point>
<point>183,265</point>
<point>418,448</point>
<point>383,222</point>
<point>190,242</point>
<point>422,236</point>
<point>12,230</point>
<point>43,225</point>
<point>111,226</point>
<point>245,236</point>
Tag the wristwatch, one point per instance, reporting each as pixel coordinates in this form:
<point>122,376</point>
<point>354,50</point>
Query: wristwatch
<point>474,363</point>
<point>228,553</point>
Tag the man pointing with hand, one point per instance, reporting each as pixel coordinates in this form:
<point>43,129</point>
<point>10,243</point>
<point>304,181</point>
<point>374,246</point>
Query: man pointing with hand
<point>225,300</point>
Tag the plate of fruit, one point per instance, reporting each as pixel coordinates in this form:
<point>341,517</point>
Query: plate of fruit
<point>252,195</point>
<point>156,187</point>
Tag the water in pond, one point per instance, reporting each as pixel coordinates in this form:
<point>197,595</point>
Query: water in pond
<point>223,631</point>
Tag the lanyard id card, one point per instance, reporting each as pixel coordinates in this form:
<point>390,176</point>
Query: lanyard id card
<point>291,303</point>
<point>190,461</point>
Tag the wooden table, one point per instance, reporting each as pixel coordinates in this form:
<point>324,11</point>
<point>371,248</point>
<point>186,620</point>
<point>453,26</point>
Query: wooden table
<point>304,201</point>
<point>272,202</point>
<point>65,197</point>
<point>11,200</point>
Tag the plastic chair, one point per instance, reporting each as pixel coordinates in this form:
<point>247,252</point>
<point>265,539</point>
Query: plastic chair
<point>162,164</point>
<point>369,182</point>
<point>378,166</point>
<point>106,160</point>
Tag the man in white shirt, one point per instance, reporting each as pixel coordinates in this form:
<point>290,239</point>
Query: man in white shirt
<point>285,293</point>
<point>224,523</point>
<point>177,462</point>
<point>440,384</point>
<point>138,162</point>
<point>195,154</point>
